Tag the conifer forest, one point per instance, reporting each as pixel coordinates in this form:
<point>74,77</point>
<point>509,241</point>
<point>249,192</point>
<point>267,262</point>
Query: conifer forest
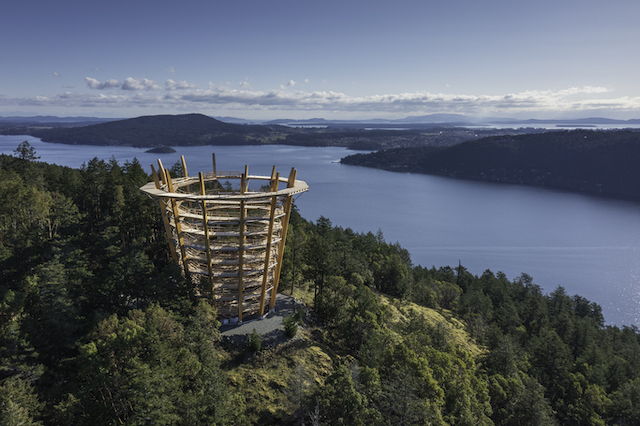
<point>99,327</point>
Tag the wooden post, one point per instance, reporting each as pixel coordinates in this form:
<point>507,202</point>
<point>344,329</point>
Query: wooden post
<point>216,185</point>
<point>156,179</point>
<point>184,167</point>
<point>267,258</point>
<point>285,225</point>
<point>241,249</point>
<point>163,211</point>
<point>205,223</point>
<point>162,172</point>
<point>245,185</point>
<point>178,226</point>
<point>185,174</point>
<point>273,182</point>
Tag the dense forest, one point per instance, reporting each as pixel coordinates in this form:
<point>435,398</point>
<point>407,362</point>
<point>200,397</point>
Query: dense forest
<point>97,326</point>
<point>598,162</point>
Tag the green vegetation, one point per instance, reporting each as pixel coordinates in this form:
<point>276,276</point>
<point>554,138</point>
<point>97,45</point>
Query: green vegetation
<point>255,341</point>
<point>291,323</point>
<point>97,326</point>
<point>598,162</point>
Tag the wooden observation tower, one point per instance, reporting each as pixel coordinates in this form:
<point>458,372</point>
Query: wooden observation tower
<point>230,236</point>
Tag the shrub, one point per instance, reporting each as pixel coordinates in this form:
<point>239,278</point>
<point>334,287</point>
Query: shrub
<point>290,325</point>
<point>255,341</point>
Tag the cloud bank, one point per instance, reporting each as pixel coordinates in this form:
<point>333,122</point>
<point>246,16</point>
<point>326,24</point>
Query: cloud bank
<point>129,83</point>
<point>182,95</point>
<point>178,85</point>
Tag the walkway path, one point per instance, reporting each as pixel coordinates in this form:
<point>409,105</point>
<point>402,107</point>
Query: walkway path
<point>270,327</point>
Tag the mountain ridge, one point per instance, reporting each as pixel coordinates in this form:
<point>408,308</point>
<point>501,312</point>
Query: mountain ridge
<point>157,130</point>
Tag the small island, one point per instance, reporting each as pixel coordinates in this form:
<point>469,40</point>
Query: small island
<point>161,150</point>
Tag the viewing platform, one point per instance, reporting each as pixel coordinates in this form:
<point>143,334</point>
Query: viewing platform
<point>227,230</point>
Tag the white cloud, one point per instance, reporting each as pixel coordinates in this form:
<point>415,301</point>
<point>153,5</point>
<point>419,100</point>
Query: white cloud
<point>55,74</point>
<point>129,84</point>
<point>139,84</point>
<point>92,83</point>
<point>583,90</point>
<point>178,85</point>
<point>291,83</point>
<point>572,100</point>
<point>171,70</point>
<point>409,103</point>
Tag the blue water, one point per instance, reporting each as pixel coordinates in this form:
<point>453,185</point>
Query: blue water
<point>589,245</point>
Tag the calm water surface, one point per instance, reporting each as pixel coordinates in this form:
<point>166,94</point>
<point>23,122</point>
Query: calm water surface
<point>589,245</point>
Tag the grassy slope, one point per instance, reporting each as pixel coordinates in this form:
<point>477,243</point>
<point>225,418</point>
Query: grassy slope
<point>454,328</point>
<point>268,379</point>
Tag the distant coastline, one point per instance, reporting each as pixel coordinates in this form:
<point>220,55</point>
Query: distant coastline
<point>201,130</point>
<point>577,126</point>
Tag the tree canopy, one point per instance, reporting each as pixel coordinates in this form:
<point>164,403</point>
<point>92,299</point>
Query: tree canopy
<point>98,326</point>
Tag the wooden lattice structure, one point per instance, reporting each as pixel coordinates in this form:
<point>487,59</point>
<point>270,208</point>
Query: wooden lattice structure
<point>232,238</point>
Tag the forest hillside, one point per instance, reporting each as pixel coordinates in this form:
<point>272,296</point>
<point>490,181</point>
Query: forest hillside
<point>597,162</point>
<point>159,130</point>
<point>97,326</point>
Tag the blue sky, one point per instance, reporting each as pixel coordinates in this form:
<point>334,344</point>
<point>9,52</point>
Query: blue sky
<point>334,59</point>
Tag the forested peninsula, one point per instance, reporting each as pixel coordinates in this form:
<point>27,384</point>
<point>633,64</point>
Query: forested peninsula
<point>592,161</point>
<point>98,326</point>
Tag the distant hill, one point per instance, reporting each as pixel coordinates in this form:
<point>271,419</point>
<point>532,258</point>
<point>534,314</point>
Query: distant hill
<point>198,129</point>
<point>438,118</point>
<point>431,121</point>
<point>598,162</point>
<point>159,130</point>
